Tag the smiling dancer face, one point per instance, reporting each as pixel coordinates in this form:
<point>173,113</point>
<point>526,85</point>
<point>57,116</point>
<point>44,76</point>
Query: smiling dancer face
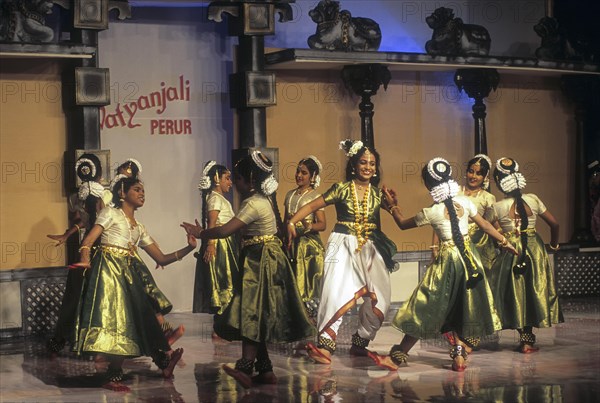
<point>364,166</point>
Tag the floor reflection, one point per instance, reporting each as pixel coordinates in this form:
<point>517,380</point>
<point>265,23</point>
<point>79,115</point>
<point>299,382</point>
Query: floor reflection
<point>566,369</point>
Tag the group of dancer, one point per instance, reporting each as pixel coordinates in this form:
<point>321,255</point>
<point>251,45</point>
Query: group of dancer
<point>268,280</point>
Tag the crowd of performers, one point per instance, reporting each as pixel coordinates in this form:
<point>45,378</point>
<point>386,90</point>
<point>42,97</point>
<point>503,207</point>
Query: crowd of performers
<point>268,280</point>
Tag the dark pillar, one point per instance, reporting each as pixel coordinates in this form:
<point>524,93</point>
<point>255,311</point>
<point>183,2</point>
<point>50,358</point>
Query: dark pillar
<point>582,90</point>
<point>364,80</point>
<point>477,84</point>
<point>251,89</point>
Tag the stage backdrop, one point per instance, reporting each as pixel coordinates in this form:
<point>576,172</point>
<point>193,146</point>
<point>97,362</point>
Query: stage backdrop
<point>169,110</point>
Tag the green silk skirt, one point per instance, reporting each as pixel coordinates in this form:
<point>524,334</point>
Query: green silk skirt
<point>215,282</point>
<point>529,299</point>
<point>484,244</point>
<point>442,302</point>
<point>116,315</point>
<point>308,252</point>
<point>268,307</point>
<point>160,302</point>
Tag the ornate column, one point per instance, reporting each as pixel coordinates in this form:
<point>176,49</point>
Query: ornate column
<point>582,89</point>
<point>251,89</point>
<point>364,80</point>
<point>477,84</point>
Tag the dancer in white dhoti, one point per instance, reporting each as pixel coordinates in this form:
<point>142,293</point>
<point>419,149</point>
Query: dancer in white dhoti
<point>358,259</point>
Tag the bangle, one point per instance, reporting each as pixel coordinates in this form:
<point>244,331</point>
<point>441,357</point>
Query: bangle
<point>504,242</point>
<point>433,247</point>
<point>177,255</point>
<point>392,209</point>
<point>291,224</point>
<point>78,227</point>
<point>82,247</point>
<point>554,248</point>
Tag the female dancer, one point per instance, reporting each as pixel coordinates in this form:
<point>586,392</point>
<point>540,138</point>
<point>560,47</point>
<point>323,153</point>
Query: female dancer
<point>268,307</point>
<point>361,255</point>
<point>454,295</point>
<point>307,247</point>
<point>116,311</point>
<point>523,286</point>
<point>83,208</point>
<point>217,271</point>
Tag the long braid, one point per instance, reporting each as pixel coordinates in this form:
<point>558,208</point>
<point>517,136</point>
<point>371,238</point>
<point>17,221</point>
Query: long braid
<point>459,241</point>
<point>205,194</point>
<point>280,226</point>
<point>520,207</point>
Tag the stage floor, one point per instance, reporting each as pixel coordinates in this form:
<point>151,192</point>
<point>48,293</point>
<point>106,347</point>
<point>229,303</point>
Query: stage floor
<point>566,369</point>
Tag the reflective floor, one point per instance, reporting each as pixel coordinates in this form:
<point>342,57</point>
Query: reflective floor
<point>566,369</point>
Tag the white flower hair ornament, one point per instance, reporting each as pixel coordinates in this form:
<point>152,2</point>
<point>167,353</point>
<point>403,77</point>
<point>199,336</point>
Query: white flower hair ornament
<point>261,161</point>
<point>89,169</point>
<point>317,177</point>
<point>504,162</point>
<point>512,182</point>
<point>350,147</point>
<point>444,191</point>
<point>204,183</point>
<point>269,185</point>
<point>90,188</point>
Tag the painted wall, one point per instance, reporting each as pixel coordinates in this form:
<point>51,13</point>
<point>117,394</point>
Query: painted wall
<point>32,143</point>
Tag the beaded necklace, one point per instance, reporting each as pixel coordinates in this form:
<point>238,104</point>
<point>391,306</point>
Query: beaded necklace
<point>290,211</point>
<point>361,216</point>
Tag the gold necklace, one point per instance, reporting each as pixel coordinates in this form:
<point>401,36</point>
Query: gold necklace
<point>361,215</point>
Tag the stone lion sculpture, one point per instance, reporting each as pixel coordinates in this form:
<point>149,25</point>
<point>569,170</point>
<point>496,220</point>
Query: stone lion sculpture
<point>452,37</point>
<point>338,30</point>
<point>23,21</point>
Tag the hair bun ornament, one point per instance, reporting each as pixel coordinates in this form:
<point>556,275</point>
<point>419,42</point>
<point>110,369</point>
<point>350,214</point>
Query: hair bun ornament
<point>512,182</point>
<point>507,165</point>
<point>261,161</point>
<point>136,162</point>
<point>85,168</point>
<point>90,188</point>
<point>116,180</point>
<point>350,147</point>
<point>269,185</point>
<point>439,169</point>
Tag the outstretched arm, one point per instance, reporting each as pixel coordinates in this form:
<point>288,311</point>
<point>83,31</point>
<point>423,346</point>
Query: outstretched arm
<point>163,260</point>
<point>390,203</point>
<point>232,226</point>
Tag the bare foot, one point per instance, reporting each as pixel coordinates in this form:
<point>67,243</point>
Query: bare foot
<point>319,355</point>
<point>241,377</point>
<point>175,356</point>
<point>175,334</point>
<point>383,361</point>
<point>116,386</point>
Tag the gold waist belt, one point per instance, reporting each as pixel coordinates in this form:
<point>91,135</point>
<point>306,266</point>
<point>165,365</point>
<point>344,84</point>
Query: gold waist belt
<point>517,232</point>
<point>353,225</point>
<point>117,250</point>
<point>450,243</point>
<point>255,240</point>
